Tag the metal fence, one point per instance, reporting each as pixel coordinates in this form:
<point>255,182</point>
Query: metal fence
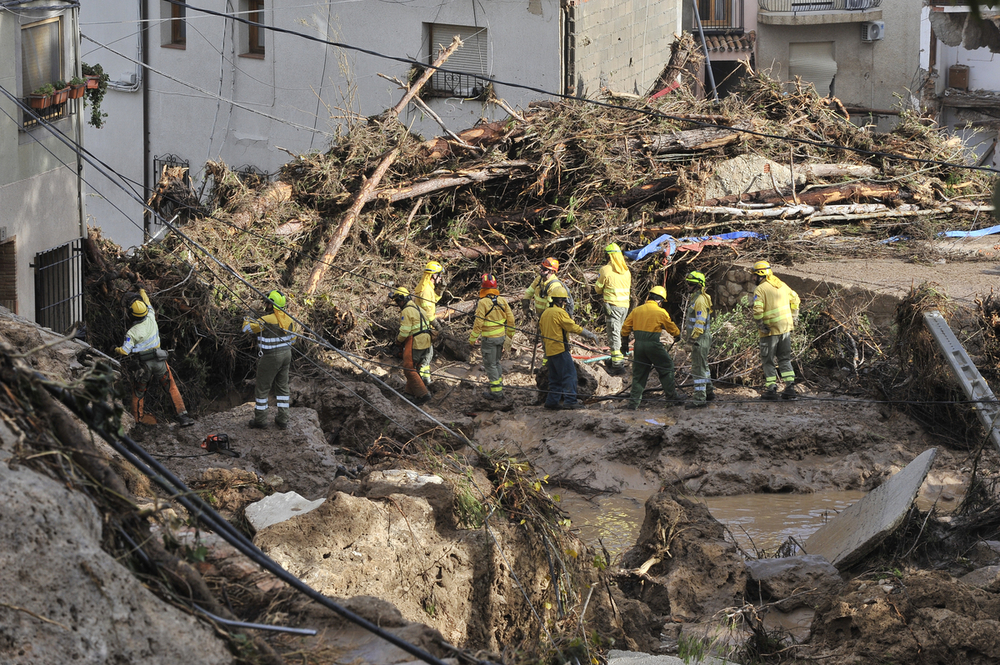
<point>718,16</point>
<point>816,5</point>
<point>59,286</point>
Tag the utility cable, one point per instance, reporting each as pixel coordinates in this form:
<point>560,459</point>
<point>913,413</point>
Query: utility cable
<point>559,95</point>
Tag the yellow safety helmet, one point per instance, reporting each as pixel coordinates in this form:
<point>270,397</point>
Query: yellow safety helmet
<point>762,268</point>
<point>399,293</point>
<point>277,299</point>
<point>558,291</point>
<point>138,308</point>
<point>695,277</point>
<point>551,264</point>
<point>658,291</point>
<point>613,248</point>
<point>433,268</point>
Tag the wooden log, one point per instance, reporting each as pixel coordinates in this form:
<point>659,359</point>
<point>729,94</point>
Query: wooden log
<point>366,194</point>
<point>459,178</point>
<point>425,77</point>
<point>813,171</point>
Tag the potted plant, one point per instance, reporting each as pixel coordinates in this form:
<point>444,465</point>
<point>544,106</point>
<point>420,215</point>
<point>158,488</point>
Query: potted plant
<point>61,94</point>
<point>77,86</point>
<point>95,93</point>
<point>42,97</point>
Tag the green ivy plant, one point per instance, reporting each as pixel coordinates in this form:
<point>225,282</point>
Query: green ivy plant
<point>94,96</point>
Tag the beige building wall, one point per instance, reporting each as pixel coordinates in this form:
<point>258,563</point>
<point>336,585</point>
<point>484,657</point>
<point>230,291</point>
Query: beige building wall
<point>621,45</point>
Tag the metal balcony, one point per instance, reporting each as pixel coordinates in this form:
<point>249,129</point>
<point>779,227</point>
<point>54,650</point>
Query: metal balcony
<point>718,17</point>
<point>817,5</point>
<point>816,12</point>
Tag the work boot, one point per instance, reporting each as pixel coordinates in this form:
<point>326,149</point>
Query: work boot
<point>696,404</point>
<point>254,424</point>
<point>676,399</point>
<point>184,420</point>
<point>573,406</point>
<point>789,392</point>
<point>552,407</point>
<point>710,396</point>
<point>423,399</point>
<point>770,394</point>
<point>281,425</point>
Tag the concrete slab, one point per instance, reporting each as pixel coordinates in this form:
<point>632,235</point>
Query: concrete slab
<point>858,530</point>
<point>616,657</point>
<point>279,507</point>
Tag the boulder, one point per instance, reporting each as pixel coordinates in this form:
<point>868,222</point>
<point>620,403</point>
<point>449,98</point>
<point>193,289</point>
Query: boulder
<point>791,582</point>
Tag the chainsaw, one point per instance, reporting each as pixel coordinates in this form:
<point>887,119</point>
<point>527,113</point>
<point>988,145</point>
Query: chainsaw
<point>218,443</point>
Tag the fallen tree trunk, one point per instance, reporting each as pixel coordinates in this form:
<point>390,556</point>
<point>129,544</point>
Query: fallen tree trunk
<point>395,194</point>
<point>689,140</point>
<point>814,171</point>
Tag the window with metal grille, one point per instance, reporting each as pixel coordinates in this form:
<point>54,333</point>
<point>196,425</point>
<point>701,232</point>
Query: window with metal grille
<point>253,35</point>
<point>59,286</point>
<point>468,62</point>
<point>42,64</point>
<point>8,274</point>
<point>173,28</point>
<point>251,176</point>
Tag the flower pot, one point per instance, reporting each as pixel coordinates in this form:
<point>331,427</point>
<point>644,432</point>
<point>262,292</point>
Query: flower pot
<point>60,96</point>
<point>39,101</point>
<point>93,82</point>
<point>76,91</point>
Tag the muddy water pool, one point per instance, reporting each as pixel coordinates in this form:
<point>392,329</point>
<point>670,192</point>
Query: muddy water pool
<point>757,521</point>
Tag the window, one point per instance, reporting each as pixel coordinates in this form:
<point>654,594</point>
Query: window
<point>42,64</point>
<point>252,36</point>
<point>814,63</point>
<point>469,61</point>
<point>8,272</point>
<point>173,29</point>
<point>59,286</point>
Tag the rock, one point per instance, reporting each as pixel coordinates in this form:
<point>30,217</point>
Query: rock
<point>747,174</point>
<point>986,578</point>
<point>66,600</point>
<point>985,552</point>
<point>616,657</point>
<point>278,508</point>
<point>792,582</point>
<point>696,573</point>
<point>859,529</point>
<point>797,624</point>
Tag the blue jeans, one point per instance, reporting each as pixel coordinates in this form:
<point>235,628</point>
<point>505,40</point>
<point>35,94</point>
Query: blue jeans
<point>562,379</point>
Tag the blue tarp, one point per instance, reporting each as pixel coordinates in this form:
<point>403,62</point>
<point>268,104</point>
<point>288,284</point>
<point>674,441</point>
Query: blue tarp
<point>672,243</point>
<point>971,234</point>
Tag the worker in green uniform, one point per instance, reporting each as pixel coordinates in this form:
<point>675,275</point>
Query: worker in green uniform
<point>645,322</point>
<point>775,311</point>
<point>614,283</point>
<point>494,329</point>
<point>698,333</point>
<point>275,336</point>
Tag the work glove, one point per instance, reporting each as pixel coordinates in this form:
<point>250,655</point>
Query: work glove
<point>474,342</point>
<point>764,329</point>
<point>508,344</point>
<point>120,351</point>
<point>592,336</point>
<point>526,307</point>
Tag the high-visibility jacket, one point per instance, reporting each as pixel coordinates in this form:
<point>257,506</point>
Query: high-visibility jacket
<point>426,298</point>
<point>699,317</point>
<point>144,337</point>
<point>555,324</point>
<point>274,331</point>
<point>775,306</point>
<point>413,323</point>
<point>493,318</point>
<point>614,286</point>
<point>539,292</point>
<point>648,318</point>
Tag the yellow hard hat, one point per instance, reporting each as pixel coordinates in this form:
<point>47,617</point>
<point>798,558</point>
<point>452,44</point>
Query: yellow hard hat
<point>613,248</point>
<point>400,292</point>
<point>695,277</point>
<point>658,291</point>
<point>433,267</point>
<point>138,308</point>
<point>762,268</point>
<point>558,291</point>
<point>277,299</point>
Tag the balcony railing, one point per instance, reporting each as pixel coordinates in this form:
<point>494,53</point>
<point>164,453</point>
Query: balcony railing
<point>817,5</point>
<point>718,16</point>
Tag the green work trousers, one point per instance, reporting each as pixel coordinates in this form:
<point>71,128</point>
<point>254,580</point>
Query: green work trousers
<point>272,370</point>
<point>699,367</point>
<point>648,354</point>
<point>777,350</point>
<point>492,350</point>
<point>614,317</point>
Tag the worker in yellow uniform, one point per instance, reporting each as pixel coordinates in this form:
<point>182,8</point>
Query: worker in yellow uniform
<point>645,322</point>
<point>614,282</point>
<point>143,339</point>
<point>426,297</point>
<point>539,293</point>
<point>555,325</point>
<point>494,323</point>
<point>274,344</point>
<point>698,333</point>
<point>415,337</point>
<point>775,311</point>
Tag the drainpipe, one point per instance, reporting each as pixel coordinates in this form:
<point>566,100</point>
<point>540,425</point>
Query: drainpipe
<point>704,46</point>
<point>78,127</point>
<point>144,59</point>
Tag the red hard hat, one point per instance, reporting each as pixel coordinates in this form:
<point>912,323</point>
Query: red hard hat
<point>489,281</point>
<point>551,264</point>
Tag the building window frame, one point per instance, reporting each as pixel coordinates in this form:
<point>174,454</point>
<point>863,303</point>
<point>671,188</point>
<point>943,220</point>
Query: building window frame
<point>173,26</point>
<point>466,65</point>
<point>46,65</point>
<point>252,36</point>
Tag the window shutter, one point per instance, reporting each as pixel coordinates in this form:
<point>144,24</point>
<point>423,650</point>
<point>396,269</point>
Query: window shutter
<point>813,63</point>
<point>41,54</point>
<point>469,58</point>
